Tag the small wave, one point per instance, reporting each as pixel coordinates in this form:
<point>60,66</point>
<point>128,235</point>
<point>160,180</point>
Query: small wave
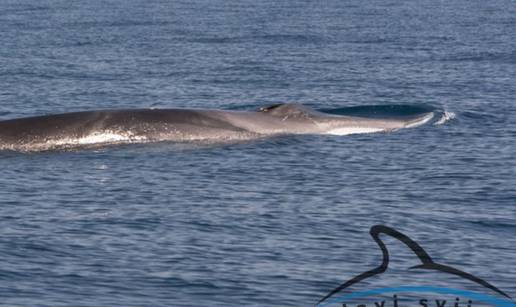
<point>483,56</point>
<point>265,39</point>
<point>446,116</point>
<point>381,111</point>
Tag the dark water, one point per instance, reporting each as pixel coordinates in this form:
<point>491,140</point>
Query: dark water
<point>275,222</point>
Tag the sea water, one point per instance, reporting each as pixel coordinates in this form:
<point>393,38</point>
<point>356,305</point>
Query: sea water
<point>272,222</point>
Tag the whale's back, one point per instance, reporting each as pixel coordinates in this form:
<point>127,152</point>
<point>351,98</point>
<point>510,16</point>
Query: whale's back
<point>113,126</point>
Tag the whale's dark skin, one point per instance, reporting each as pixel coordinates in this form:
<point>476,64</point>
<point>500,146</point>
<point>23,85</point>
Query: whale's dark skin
<point>104,127</point>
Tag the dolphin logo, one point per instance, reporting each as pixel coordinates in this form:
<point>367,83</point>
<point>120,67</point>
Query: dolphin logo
<point>426,264</point>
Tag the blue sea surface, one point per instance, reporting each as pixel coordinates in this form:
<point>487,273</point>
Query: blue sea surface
<point>273,222</point>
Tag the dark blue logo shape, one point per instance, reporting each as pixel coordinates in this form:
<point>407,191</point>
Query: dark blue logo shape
<point>426,264</point>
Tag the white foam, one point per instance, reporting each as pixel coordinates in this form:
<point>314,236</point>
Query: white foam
<point>447,116</point>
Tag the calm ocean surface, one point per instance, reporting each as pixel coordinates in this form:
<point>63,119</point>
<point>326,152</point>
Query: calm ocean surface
<point>276,222</point>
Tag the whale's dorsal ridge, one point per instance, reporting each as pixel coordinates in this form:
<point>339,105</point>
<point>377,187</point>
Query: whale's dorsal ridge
<point>270,107</point>
<point>287,109</point>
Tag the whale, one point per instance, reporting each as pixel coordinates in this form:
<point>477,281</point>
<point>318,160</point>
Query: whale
<point>122,126</point>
